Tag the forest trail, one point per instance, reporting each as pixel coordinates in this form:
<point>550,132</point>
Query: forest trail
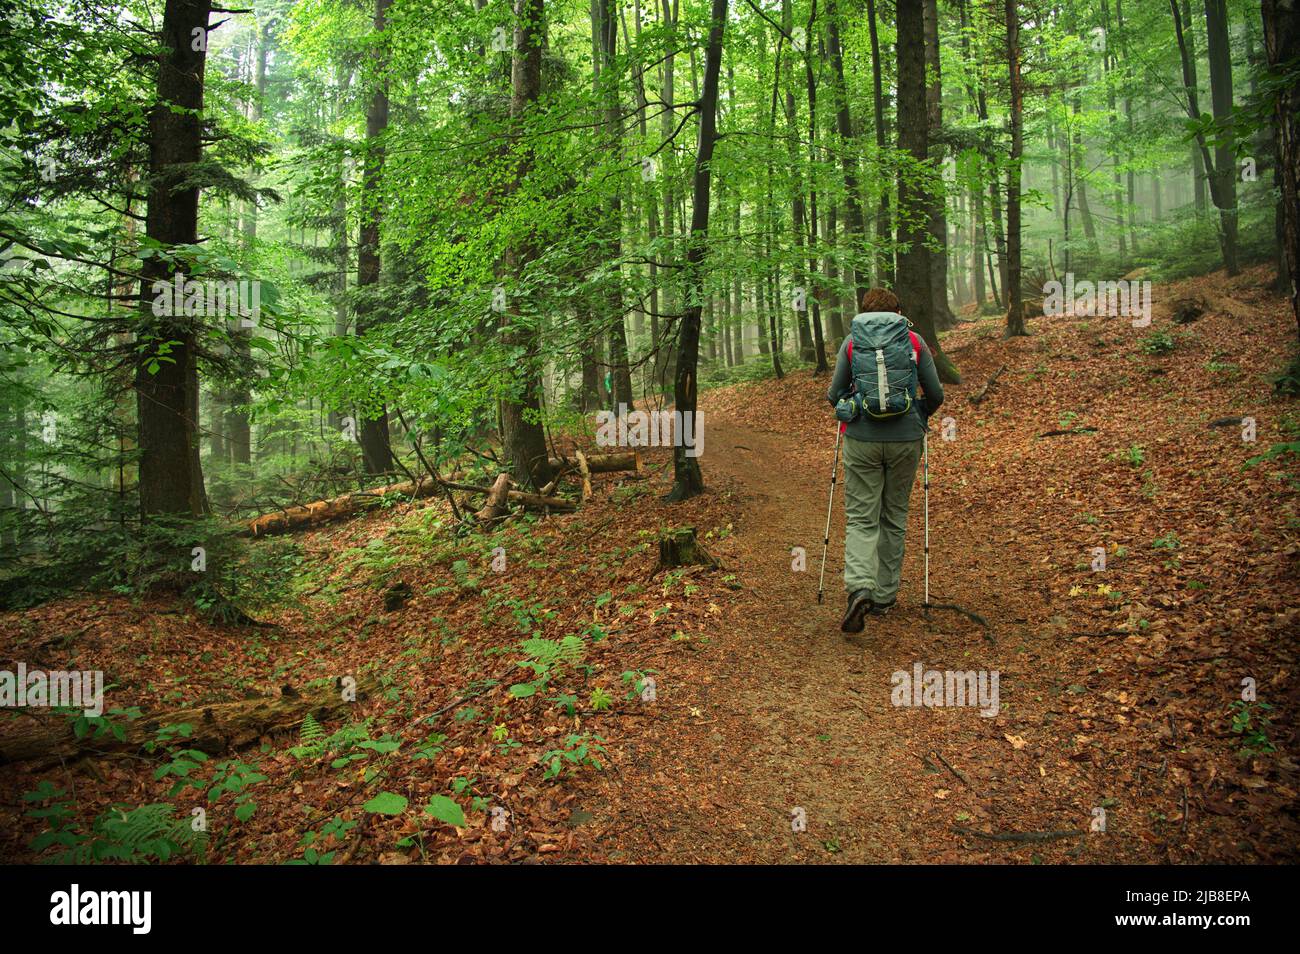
<point>809,723</point>
<point>1116,688</point>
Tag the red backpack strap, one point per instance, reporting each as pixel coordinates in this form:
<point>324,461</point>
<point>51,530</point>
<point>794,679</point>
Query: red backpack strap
<point>850,349</point>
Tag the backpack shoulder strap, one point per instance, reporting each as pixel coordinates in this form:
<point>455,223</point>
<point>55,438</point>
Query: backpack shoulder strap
<point>916,348</point>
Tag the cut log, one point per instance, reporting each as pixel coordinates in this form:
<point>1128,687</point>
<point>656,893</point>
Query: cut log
<point>679,547</point>
<point>324,510</point>
<point>215,728</point>
<point>523,498</point>
<point>604,463</point>
<point>585,470</point>
<point>983,392</point>
<point>335,508</point>
<point>496,505</point>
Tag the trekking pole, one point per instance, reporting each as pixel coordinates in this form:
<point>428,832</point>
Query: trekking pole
<point>925,480</point>
<point>830,504</point>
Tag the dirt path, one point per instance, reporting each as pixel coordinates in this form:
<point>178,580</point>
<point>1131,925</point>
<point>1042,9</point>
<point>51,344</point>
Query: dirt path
<point>1118,685</point>
<point>803,717</point>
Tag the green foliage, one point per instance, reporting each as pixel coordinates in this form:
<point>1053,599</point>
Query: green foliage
<point>1250,720</point>
<point>548,659</point>
<point>579,751</point>
<point>237,778</point>
<point>332,831</point>
<point>1287,384</point>
<point>350,743</point>
<point>446,811</point>
<point>140,835</point>
<point>386,803</point>
<point>1158,342</point>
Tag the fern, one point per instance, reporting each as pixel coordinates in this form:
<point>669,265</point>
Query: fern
<point>311,739</point>
<point>551,654</point>
<point>149,833</point>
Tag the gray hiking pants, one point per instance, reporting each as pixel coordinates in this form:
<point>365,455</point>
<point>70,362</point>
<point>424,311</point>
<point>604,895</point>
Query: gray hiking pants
<point>878,477</point>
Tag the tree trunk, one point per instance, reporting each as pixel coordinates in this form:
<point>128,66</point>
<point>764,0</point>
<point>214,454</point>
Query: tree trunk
<point>215,728</point>
<point>607,33</point>
<point>937,220</point>
<point>798,210</point>
<point>687,479</point>
<point>884,237</point>
<point>1193,84</point>
<point>913,267</point>
<point>1224,195</point>
<point>1015,306</point>
<point>166,373</point>
<point>239,434</point>
<point>853,222</point>
<point>1281,47</point>
<point>373,436</point>
<point>521,426</point>
<point>1223,187</point>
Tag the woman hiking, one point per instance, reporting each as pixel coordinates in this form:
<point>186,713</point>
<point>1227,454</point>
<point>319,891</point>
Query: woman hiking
<point>883,418</point>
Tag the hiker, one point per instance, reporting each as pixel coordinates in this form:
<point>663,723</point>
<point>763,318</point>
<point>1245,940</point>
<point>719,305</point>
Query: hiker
<point>874,392</point>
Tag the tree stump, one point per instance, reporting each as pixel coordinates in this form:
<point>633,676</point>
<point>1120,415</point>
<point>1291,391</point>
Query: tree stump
<point>396,596</point>
<point>1187,310</point>
<point>679,547</point>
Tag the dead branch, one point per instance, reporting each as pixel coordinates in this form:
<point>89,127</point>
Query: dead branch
<point>979,396</point>
<point>1019,836</point>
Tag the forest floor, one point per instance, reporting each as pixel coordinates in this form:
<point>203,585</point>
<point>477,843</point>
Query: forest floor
<point>1117,687</point>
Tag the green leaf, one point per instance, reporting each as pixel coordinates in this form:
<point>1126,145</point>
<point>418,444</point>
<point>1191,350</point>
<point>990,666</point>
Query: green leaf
<point>386,803</point>
<point>445,810</point>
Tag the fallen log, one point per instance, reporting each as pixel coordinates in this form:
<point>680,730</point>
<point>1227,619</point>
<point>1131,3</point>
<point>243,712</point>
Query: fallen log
<point>321,511</point>
<point>523,498</point>
<point>335,508</point>
<point>217,727</point>
<point>983,392</point>
<point>495,507</point>
<point>603,463</point>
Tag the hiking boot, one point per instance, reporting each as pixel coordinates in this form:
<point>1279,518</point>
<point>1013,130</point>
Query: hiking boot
<point>855,614</point>
<point>880,609</point>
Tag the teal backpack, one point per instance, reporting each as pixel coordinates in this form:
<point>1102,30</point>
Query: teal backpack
<point>883,357</point>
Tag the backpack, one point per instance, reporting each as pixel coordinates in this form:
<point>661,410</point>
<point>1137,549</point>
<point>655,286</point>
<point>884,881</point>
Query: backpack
<point>884,354</point>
